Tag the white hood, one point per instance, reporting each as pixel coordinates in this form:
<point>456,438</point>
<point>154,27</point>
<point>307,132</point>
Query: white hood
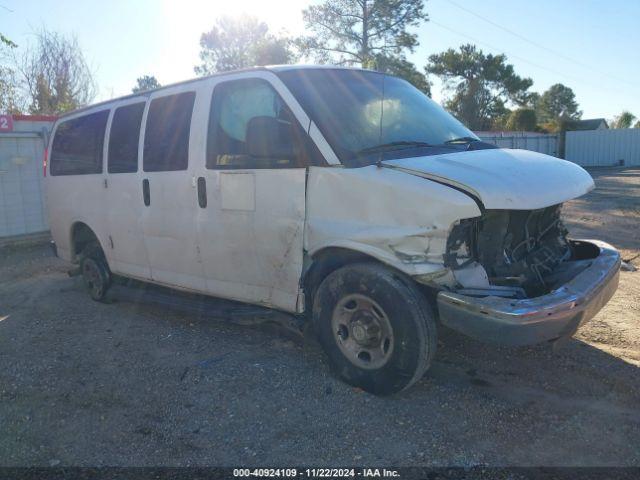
<point>504,179</point>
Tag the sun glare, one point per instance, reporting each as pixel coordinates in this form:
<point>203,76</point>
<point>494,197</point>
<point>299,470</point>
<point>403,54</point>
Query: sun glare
<point>183,22</point>
<point>279,15</point>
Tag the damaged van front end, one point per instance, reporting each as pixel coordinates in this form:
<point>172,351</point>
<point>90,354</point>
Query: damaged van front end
<point>521,281</point>
<point>482,230</point>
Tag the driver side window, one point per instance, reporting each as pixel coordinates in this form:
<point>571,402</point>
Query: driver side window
<point>251,127</point>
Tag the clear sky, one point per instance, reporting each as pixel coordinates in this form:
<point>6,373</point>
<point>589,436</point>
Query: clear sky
<point>590,45</point>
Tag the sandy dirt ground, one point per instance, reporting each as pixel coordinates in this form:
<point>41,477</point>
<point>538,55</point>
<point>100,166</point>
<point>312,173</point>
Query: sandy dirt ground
<point>612,213</point>
<point>132,382</point>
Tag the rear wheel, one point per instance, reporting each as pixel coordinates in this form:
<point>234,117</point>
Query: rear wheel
<point>95,271</point>
<point>377,328</point>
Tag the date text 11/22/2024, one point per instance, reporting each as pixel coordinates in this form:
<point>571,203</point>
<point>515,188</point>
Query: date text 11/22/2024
<point>315,472</point>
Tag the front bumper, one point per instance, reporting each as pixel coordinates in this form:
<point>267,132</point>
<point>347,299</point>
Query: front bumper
<point>535,320</point>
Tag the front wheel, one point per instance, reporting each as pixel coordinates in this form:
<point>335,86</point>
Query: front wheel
<point>377,328</point>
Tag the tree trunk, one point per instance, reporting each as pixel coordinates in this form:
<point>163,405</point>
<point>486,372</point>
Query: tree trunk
<point>364,51</point>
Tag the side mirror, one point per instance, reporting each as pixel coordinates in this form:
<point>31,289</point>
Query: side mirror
<point>269,137</point>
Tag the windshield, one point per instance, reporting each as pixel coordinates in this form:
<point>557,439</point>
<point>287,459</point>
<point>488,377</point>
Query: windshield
<point>363,114</point>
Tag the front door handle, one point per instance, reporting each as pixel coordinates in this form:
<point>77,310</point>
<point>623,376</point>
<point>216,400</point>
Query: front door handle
<point>146,194</point>
<point>202,192</point>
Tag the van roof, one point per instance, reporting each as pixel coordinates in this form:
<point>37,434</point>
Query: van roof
<point>271,68</point>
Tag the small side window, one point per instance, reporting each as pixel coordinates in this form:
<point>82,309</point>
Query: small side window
<point>77,145</point>
<point>250,126</point>
<point>123,139</point>
<point>166,137</point>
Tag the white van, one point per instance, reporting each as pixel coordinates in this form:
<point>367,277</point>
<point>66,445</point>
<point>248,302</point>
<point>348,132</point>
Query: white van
<point>341,193</point>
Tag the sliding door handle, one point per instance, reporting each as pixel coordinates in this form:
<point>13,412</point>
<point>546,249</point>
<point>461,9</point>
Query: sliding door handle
<point>202,192</point>
<point>146,194</point>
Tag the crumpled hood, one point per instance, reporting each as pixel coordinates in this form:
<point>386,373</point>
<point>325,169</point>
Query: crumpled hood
<point>502,178</point>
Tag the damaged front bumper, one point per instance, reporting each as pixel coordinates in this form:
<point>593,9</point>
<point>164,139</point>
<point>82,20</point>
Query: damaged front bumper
<point>529,321</point>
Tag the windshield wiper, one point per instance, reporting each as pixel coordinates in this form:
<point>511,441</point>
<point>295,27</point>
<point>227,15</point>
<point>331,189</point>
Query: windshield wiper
<point>394,146</point>
<point>453,141</point>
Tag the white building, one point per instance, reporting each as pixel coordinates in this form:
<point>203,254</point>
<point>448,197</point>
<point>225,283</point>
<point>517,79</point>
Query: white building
<point>22,144</point>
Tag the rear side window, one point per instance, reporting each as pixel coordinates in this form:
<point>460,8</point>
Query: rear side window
<point>77,145</point>
<point>166,137</point>
<point>123,139</point>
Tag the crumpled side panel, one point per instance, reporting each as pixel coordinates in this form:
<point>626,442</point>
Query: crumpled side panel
<point>400,219</point>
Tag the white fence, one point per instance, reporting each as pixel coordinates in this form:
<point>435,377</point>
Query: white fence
<point>543,143</point>
<point>21,193</point>
<point>600,148</point>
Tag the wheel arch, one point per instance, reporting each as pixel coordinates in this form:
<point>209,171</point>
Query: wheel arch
<point>327,260</point>
<point>80,235</point>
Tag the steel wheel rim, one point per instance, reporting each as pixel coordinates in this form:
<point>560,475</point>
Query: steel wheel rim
<point>92,277</point>
<point>362,331</point>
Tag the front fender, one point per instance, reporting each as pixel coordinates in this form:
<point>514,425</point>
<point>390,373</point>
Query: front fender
<point>399,219</point>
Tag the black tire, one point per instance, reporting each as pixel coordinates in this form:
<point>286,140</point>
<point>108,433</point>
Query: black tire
<point>95,271</point>
<point>413,328</point>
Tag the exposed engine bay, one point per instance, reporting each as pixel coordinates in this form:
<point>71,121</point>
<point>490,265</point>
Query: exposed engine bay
<point>520,253</point>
